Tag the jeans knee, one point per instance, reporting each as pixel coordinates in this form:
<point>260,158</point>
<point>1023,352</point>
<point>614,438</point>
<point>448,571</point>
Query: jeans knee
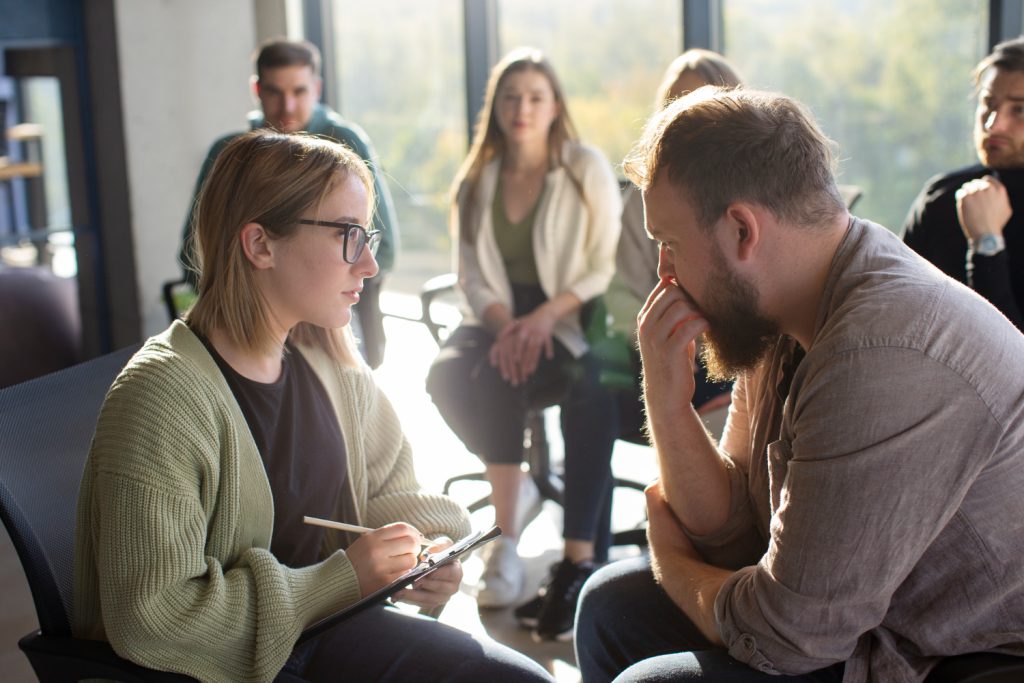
<point>598,606</point>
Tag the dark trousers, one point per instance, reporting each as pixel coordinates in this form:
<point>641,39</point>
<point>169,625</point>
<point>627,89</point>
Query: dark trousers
<point>488,415</point>
<point>385,644</point>
<point>371,322</point>
<point>628,629</point>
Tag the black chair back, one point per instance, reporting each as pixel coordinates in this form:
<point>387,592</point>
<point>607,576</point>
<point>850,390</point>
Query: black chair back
<point>46,426</point>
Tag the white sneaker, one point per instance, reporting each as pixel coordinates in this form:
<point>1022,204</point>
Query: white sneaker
<point>528,504</point>
<point>503,575</point>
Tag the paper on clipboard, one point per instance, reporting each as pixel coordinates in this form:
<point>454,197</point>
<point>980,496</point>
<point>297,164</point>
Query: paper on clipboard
<point>429,564</point>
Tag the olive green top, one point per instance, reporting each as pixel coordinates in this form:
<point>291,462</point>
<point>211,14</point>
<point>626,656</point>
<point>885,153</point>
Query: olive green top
<point>515,241</point>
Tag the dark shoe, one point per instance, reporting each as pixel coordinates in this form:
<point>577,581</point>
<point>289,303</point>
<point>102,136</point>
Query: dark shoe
<point>558,610</point>
<point>527,615</point>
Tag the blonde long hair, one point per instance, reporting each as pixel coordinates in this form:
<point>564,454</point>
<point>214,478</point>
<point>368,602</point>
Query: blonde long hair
<point>271,179</point>
<point>710,67</point>
<point>489,141</point>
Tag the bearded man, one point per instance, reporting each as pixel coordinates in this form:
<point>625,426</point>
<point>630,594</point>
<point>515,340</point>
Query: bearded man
<point>970,223</point>
<point>861,518</point>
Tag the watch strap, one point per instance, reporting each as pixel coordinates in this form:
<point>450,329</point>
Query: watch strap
<point>988,245</point>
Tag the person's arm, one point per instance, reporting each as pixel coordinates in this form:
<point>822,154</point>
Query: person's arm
<point>695,479</point>
<point>983,209</point>
<point>877,465</point>
<point>604,216</point>
<point>384,216</point>
<point>932,230</point>
<point>636,258</point>
<point>480,297</point>
<point>691,583</point>
<point>187,250</point>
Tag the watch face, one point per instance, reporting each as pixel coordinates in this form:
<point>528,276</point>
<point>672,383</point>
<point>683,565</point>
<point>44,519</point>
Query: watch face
<point>988,245</point>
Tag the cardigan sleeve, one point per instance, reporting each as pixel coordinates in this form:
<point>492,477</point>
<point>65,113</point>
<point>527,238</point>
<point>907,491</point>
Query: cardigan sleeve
<point>604,204</point>
<point>472,283</point>
<point>160,570</point>
<point>393,493</point>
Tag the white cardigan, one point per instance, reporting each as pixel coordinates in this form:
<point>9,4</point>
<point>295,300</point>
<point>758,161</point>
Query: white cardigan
<point>573,242</point>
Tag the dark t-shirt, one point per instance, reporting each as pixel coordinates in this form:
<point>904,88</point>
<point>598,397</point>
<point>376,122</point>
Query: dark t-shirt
<point>299,438</point>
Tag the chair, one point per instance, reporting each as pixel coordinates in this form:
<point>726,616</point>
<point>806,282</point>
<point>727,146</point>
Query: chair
<point>536,453</point>
<point>178,295</point>
<point>40,321</point>
<point>46,426</point>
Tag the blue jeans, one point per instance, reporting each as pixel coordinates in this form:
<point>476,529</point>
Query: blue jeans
<point>628,629</point>
<point>384,644</point>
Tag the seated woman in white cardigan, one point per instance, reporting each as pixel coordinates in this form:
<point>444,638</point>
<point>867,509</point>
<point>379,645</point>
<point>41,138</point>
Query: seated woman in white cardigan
<point>536,218</point>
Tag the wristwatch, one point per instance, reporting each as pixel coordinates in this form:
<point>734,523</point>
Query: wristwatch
<point>988,245</point>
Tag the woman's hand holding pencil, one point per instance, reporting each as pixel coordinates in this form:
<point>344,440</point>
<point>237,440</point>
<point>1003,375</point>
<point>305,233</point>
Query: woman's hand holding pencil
<point>379,556</point>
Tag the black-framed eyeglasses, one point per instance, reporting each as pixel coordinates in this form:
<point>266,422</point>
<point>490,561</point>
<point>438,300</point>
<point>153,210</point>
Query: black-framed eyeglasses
<point>356,238</point>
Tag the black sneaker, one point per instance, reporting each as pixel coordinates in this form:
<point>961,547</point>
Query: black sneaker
<point>527,615</point>
<point>558,611</point>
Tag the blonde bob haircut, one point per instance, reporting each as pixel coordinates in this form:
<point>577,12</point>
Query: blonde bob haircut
<point>489,140</point>
<point>271,179</point>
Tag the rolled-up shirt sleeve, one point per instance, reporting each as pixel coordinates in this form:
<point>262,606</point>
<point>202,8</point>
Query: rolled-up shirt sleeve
<point>872,468</point>
<point>738,542</point>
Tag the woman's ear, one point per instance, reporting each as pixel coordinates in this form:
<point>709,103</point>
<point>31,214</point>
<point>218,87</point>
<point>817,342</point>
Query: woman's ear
<point>256,244</point>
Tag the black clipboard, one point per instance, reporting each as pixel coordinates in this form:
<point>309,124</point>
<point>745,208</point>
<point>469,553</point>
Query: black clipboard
<point>428,565</point>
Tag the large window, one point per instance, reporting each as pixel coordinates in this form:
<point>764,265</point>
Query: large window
<point>401,75</point>
<point>888,80</point>
<point>608,54</point>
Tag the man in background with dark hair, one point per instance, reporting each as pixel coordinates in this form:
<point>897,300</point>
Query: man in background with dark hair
<point>288,85</point>
<point>970,223</point>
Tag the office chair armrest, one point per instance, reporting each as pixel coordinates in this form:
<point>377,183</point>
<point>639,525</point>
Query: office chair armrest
<point>179,296</point>
<point>433,288</point>
<point>58,658</point>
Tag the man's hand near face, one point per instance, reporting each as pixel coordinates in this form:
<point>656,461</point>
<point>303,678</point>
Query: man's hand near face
<point>695,481</point>
<point>667,328</point>
<point>983,207</point>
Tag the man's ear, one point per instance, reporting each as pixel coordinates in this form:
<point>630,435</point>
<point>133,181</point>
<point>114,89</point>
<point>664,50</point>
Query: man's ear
<point>743,230</point>
<point>254,85</point>
<point>257,246</point>
<point>318,87</point>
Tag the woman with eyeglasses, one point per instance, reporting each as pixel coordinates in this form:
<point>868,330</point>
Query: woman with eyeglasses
<point>225,430</point>
<point>536,217</point>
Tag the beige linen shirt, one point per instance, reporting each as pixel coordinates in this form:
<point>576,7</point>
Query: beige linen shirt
<point>878,504</point>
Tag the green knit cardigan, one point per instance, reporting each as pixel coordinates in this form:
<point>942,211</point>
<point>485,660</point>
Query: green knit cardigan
<point>175,514</point>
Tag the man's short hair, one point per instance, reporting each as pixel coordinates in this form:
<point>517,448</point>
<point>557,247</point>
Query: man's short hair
<point>278,53</point>
<point>723,145</point>
<point>1007,55</point>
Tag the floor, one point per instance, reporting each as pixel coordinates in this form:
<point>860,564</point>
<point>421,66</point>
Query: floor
<point>438,455</point>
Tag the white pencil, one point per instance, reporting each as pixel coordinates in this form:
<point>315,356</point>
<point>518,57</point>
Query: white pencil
<point>331,524</point>
<point>355,528</point>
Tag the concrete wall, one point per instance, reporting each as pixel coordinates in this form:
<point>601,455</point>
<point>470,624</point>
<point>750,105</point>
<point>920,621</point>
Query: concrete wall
<point>185,66</point>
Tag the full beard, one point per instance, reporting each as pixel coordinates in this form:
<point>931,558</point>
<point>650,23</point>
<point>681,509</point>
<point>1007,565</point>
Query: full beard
<point>739,336</point>
<point>1009,156</point>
